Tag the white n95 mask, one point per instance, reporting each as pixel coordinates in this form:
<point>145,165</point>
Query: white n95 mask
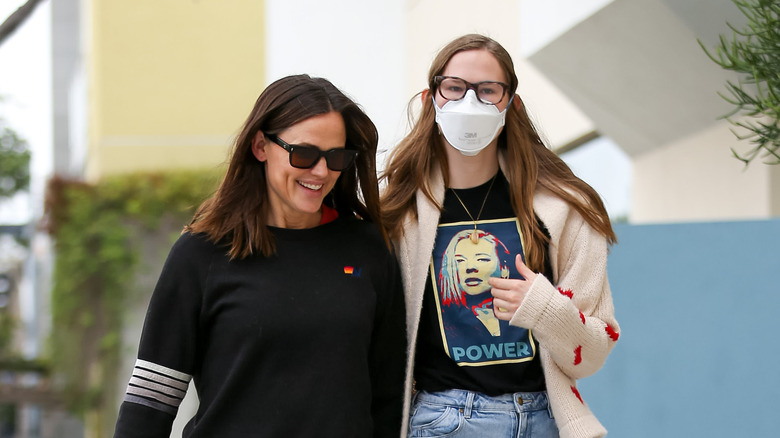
<point>468,124</point>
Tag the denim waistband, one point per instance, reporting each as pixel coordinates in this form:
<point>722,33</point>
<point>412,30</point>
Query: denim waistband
<point>468,400</point>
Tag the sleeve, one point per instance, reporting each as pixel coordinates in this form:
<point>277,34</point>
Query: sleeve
<point>167,350</point>
<point>574,320</point>
<point>388,354</point>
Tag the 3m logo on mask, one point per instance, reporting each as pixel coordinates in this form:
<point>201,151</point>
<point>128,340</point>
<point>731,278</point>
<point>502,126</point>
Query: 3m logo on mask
<point>470,135</point>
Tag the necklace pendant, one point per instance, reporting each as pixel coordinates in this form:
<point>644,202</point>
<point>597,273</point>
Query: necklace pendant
<point>474,237</point>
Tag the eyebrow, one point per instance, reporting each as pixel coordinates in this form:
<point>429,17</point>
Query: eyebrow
<point>306,143</point>
<point>476,254</point>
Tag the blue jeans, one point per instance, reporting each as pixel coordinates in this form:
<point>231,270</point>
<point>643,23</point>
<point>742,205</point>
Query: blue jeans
<point>456,413</point>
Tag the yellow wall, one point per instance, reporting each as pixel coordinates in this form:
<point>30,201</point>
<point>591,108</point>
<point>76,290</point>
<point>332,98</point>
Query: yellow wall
<point>171,81</point>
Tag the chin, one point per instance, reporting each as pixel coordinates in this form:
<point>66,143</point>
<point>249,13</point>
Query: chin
<point>310,207</point>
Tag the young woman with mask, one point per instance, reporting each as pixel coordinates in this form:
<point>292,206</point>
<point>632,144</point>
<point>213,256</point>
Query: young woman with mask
<point>473,162</point>
<point>281,300</point>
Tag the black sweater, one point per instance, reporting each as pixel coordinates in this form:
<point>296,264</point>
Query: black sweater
<point>309,342</point>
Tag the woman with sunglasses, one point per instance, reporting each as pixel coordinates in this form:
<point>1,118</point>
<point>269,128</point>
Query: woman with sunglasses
<point>281,301</point>
<point>474,163</point>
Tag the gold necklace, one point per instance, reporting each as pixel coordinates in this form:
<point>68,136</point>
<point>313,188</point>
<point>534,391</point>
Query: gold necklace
<point>474,235</point>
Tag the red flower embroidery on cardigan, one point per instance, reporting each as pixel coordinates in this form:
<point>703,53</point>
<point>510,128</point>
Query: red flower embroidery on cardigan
<point>566,292</point>
<point>582,317</point>
<point>577,393</point>
<point>578,355</point>
<point>612,333</point>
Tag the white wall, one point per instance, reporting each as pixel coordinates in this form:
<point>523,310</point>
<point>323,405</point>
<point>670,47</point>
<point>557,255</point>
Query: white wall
<point>543,21</point>
<point>357,45</point>
<point>379,53</point>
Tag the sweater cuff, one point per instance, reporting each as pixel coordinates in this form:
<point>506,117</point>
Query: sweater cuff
<point>535,304</point>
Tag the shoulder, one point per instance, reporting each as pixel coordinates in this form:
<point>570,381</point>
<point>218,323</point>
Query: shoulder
<point>551,208</point>
<point>188,241</point>
<point>192,248</point>
<point>558,216</point>
<point>570,234</point>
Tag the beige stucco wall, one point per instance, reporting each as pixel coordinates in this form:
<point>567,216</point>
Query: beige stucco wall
<point>698,179</point>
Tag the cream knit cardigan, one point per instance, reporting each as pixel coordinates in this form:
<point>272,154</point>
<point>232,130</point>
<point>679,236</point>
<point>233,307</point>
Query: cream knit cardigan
<point>572,315</point>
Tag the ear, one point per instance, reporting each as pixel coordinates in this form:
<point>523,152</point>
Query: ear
<point>424,95</point>
<point>258,146</point>
<point>517,102</point>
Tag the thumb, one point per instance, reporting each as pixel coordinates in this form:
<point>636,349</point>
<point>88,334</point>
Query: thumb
<point>524,270</point>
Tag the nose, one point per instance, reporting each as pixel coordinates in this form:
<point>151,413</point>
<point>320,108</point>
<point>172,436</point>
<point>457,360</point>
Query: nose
<point>321,168</point>
<point>471,94</point>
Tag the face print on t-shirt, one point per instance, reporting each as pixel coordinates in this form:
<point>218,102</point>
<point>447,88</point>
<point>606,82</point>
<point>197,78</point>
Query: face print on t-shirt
<point>471,333</point>
<point>476,262</point>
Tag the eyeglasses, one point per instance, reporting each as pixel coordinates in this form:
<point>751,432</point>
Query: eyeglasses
<point>306,157</point>
<point>455,88</point>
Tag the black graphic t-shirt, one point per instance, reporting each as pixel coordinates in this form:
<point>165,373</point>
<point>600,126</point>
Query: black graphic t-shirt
<point>461,344</point>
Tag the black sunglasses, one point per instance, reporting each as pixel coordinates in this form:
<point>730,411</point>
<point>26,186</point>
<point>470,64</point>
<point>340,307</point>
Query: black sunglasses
<point>306,157</point>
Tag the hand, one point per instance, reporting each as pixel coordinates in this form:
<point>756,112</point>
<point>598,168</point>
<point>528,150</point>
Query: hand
<point>508,293</point>
<point>487,317</point>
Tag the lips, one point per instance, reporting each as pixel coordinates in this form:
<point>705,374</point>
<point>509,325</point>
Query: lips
<point>310,186</point>
<point>473,281</point>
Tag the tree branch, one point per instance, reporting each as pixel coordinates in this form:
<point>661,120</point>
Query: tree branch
<point>16,19</point>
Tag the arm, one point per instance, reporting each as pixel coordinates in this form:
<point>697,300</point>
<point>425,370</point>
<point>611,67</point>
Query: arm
<point>166,352</point>
<point>388,354</point>
<point>574,321</point>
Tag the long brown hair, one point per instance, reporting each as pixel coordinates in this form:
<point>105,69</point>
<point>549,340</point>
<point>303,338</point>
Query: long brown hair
<point>237,213</point>
<point>530,164</point>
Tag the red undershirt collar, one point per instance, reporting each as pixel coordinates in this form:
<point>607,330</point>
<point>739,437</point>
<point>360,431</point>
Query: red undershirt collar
<point>328,214</point>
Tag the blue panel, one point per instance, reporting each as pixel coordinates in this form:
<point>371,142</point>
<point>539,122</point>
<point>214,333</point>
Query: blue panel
<point>699,352</point>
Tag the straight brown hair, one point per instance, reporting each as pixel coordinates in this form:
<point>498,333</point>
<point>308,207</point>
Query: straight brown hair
<point>530,164</point>
<point>237,213</point>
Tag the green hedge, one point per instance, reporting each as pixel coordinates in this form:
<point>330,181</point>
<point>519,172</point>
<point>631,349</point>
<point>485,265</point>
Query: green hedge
<point>95,230</point>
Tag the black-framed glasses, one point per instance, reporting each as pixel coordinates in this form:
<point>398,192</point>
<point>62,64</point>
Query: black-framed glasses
<point>455,88</point>
<point>306,157</point>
